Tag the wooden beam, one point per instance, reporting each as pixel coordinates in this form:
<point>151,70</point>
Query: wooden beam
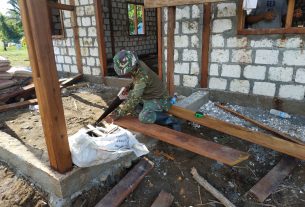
<point>206,45</point>
<point>127,185</point>
<point>75,28</point>
<point>269,183</point>
<point>200,146</point>
<point>170,49</point>
<point>71,80</point>
<point>160,51</point>
<point>35,21</point>
<point>260,124</point>
<point>164,199</point>
<point>277,144</point>
<point>60,6</point>
<point>167,3</point>
<point>101,35</point>
<point>135,19</point>
<point>24,90</point>
<point>111,28</point>
<point>290,11</point>
<point>18,105</point>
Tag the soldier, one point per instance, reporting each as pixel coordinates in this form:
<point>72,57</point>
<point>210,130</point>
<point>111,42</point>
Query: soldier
<point>147,89</point>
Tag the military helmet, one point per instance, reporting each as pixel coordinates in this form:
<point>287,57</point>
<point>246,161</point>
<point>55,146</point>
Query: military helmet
<point>125,62</point>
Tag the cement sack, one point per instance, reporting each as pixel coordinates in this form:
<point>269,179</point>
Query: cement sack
<point>21,72</point>
<point>88,150</point>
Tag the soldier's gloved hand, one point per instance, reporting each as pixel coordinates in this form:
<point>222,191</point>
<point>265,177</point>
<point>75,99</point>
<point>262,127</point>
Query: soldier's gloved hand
<point>123,94</point>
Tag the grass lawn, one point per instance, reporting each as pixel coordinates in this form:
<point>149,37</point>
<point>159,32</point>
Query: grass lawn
<point>17,57</point>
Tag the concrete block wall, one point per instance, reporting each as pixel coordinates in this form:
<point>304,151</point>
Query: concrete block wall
<point>188,32</point>
<point>269,65</point>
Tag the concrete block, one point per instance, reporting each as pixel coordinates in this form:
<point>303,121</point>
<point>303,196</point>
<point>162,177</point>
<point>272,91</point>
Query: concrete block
<point>262,43</point>
<point>176,28</point>
<point>194,101</point>
<point>255,72</point>
<point>218,83</point>
<point>214,70</point>
<point>219,56</point>
<point>183,12</point>
<point>68,60</point>
<point>96,71</point>
<point>92,32</point>
<point>237,42</point>
<point>232,71</point>
<point>182,68</point>
<point>94,52</point>
<point>195,69</point>
<point>190,27</point>
<point>195,11</point>
<point>87,70</point>
<point>218,41</point>
<point>82,32</point>
<point>195,41</point>
<point>226,10</point>
<point>280,74</point>
<point>242,56</point>
<point>294,57</point>
<point>89,10</point>
<point>74,69</point>
<point>264,89</point>
<point>177,80</point>
<point>241,86</point>
<point>221,25</point>
<point>175,55</point>
<point>295,42</point>
<point>189,55</point>
<point>190,81</point>
<point>300,76</point>
<point>268,57</point>
<point>86,21</point>
<point>181,41</point>
<point>295,92</point>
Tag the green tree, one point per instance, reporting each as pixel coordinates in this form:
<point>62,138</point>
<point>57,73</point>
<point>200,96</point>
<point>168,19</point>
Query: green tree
<point>8,31</point>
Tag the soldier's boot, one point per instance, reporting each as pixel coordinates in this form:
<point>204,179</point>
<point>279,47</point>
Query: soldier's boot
<point>165,120</point>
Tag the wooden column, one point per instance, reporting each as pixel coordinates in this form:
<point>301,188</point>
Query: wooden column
<point>206,32</point>
<point>170,48</point>
<point>159,26</point>
<point>111,28</point>
<point>35,21</point>
<point>101,35</point>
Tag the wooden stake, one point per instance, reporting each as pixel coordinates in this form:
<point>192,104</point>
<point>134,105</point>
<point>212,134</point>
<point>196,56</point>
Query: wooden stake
<point>204,183</point>
<point>18,105</point>
<point>206,45</point>
<point>170,49</point>
<point>35,21</point>
<point>164,199</point>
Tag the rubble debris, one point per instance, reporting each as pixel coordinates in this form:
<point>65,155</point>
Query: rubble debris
<point>204,183</point>
<point>127,185</point>
<point>164,199</point>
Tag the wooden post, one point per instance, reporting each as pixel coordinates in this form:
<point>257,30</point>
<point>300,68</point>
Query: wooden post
<point>159,26</point>
<point>101,35</point>
<point>111,28</point>
<point>206,32</point>
<point>289,18</point>
<point>35,21</point>
<point>170,48</point>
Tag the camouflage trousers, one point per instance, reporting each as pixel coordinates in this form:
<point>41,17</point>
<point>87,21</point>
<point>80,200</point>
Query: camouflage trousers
<point>150,107</point>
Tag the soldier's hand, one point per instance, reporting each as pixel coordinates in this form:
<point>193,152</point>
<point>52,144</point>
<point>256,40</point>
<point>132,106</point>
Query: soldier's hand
<point>109,119</point>
<point>298,13</point>
<point>269,16</point>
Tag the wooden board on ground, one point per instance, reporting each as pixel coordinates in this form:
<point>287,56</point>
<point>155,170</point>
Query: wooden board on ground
<point>200,146</point>
<point>269,183</point>
<point>275,143</point>
<point>166,3</point>
<point>164,199</point>
<point>127,185</point>
<point>8,107</point>
<point>71,80</point>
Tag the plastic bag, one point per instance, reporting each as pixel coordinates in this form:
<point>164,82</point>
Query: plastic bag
<point>88,150</point>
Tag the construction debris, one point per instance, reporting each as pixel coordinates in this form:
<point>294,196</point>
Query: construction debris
<point>164,199</point>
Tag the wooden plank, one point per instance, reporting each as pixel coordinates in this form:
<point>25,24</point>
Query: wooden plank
<point>24,90</point>
<point>127,185</point>
<point>164,199</point>
<point>35,21</point>
<point>260,124</point>
<point>170,49</point>
<point>75,29</point>
<point>111,28</point>
<point>60,6</point>
<point>71,80</point>
<point>160,51</point>
<point>101,35</point>
<point>290,11</point>
<point>135,19</point>
<point>18,105</point>
<point>168,3</point>
<point>206,44</point>
<point>200,146</point>
<point>269,183</point>
<point>268,141</point>
<point>291,30</point>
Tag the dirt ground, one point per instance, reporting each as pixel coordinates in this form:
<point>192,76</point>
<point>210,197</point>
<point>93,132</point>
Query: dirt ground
<point>84,104</point>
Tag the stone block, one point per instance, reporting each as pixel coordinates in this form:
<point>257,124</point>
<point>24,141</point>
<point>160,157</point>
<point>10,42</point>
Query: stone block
<point>94,52</point>
<point>219,56</point>
<point>195,11</point>
<point>96,71</point>
<point>91,61</point>
<point>295,42</point>
<point>237,42</point>
<point>68,60</point>
<point>92,32</point>
<point>175,55</point>
<point>226,10</point>
<point>255,72</point>
<point>264,89</point>
<point>190,81</point>
<point>242,56</point>
<point>177,80</point>
<point>195,41</point>
<point>218,41</point>
<point>89,10</point>
<point>268,57</point>
<point>294,57</point>
<point>292,92</point>
<point>300,76</point>
<point>195,69</point>
<point>214,70</point>
<point>190,27</point>
<point>87,70</point>
<point>241,86</point>
<point>232,71</point>
<point>181,41</point>
<point>218,83</point>
<point>86,21</point>
<point>280,74</point>
<point>82,32</point>
<point>182,68</point>
<point>74,69</point>
<point>222,25</point>
<point>262,43</point>
<point>189,55</point>
<point>183,12</point>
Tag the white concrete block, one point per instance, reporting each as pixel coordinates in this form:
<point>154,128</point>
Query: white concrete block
<point>80,11</point>
<point>264,89</point>
<point>241,86</point>
<point>91,61</point>
<point>219,56</point>
<point>280,74</point>
<point>213,70</point>
<point>182,68</point>
<point>92,32</point>
<point>83,2</point>
<point>218,83</point>
<point>177,80</point>
<point>237,42</point>
<point>60,59</point>
<point>74,69</point>
<point>69,32</point>
<point>195,69</point>
<point>262,43</point>
<point>68,60</point>
<point>294,57</point>
<point>96,71</point>
<point>190,27</point>
<point>226,10</point>
<point>175,55</point>
<point>300,76</point>
<point>195,11</point>
<point>268,57</point>
<point>218,41</point>
<point>181,41</point>
<point>242,56</point>
<point>66,68</point>
<point>255,72</point>
<point>292,92</point>
<point>94,52</point>
<point>190,81</point>
<point>176,28</point>
<point>183,12</point>
<point>232,71</point>
<point>87,70</point>
<point>195,41</point>
<point>89,10</point>
<point>189,55</point>
<point>222,25</point>
<point>86,21</point>
<point>82,32</point>
<point>295,42</point>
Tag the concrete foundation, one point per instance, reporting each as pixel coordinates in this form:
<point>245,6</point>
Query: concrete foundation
<point>61,187</point>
